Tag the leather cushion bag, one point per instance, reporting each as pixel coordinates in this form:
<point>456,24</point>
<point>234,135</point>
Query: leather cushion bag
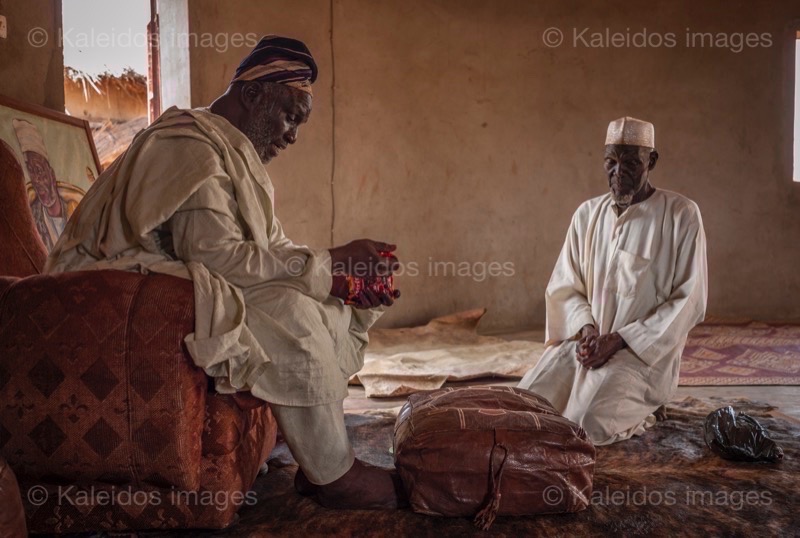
<point>488,451</point>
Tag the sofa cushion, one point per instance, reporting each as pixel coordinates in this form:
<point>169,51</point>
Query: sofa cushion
<point>5,284</point>
<point>224,427</point>
<point>95,382</point>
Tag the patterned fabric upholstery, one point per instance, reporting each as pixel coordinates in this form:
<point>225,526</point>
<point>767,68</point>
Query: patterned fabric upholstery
<point>104,409</point>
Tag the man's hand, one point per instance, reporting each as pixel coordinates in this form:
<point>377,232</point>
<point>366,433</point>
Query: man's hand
<point>363,258</point>
<point>366,299</point>
<point>339,287</point>
<point>600,349</point>
<point>588,339</point>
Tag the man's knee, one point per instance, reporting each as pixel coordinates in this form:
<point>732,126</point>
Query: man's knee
<point>598,428</point>
<point>271,298</point>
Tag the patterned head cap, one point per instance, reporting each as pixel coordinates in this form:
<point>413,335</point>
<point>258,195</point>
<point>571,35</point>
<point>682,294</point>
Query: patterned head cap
<point>281,60</point>
<point>631,132</point>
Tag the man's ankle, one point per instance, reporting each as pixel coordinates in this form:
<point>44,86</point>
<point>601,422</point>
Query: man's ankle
<point>363,487</point>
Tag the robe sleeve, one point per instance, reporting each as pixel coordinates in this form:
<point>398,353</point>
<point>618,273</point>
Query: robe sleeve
<point>654,336</point>
<point>207,229</point>
<point>568,309</point>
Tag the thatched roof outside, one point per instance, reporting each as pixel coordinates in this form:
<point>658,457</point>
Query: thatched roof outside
<point>113,137</point>
<point>105,96</point>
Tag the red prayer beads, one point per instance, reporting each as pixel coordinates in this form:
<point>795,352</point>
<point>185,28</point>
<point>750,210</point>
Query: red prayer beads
<point>379,285</point>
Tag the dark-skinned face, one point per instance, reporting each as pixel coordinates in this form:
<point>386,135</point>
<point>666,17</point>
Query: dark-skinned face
<point>628,169</point>
<point>43,179</point>
<point>276,113</point>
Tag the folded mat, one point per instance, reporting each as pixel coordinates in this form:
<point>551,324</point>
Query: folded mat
<point>399,362</point>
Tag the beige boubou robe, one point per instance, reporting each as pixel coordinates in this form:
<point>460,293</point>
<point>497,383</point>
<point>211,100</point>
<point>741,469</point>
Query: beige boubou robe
<point>642,274</point>
<point>192,189</point>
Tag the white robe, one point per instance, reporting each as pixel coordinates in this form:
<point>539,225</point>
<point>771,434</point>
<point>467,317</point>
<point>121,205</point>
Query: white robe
<point>191,198</point>
<point>642,274</point>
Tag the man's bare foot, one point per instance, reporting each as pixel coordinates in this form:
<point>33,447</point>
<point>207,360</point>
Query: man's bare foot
<point>363,487</point>
<point>661,413</point>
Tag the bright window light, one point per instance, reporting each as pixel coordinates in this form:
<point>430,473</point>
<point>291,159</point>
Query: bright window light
<point>105,35</point>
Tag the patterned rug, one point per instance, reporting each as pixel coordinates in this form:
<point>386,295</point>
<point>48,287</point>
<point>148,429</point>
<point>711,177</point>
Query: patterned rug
<point>450,349</point>
<point>744,353</point>
<point>664,483</point>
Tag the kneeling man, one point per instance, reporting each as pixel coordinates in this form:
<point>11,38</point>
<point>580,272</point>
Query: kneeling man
<point>630,283</point>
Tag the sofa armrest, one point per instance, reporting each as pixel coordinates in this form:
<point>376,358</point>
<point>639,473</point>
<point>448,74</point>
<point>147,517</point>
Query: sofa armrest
<point>96,383</point>
<point>5,284</point>
<point>12,516</point>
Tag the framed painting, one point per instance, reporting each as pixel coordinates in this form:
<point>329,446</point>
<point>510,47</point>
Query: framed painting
<point>58,158</point>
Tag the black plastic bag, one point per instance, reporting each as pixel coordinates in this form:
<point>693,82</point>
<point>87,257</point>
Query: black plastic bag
<point>739,437</point>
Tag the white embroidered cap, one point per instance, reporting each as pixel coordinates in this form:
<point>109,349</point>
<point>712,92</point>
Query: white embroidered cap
<point>631,132</point>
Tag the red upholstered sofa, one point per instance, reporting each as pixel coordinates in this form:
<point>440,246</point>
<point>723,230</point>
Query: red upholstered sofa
<point>104,418</point>
<point>12,516</point>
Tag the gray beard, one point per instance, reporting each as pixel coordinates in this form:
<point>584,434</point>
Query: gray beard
<point>257,131</point>
<point>623,200</point>
<point>626,200</point>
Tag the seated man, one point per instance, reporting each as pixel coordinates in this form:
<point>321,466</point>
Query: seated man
<point>191,197</point>
<point>628,286</point>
